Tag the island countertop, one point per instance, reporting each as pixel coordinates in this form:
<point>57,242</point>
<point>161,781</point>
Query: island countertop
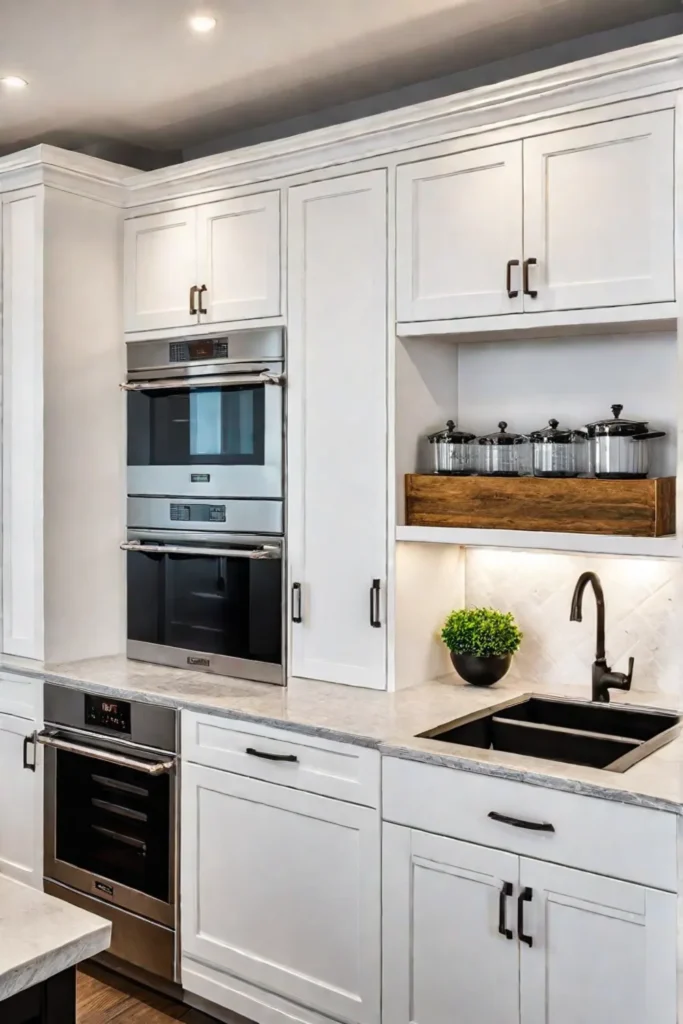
<point>41,936</point>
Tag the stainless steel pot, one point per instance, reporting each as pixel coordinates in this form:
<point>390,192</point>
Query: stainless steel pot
<point>619,448</point>
<point>558,453</point>
<point>451,454</point>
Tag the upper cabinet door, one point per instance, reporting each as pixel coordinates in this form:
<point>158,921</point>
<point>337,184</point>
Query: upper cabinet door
<point>599,214</point>
<point>450,953</point>
<point>459,228</point>
<point>239,258</point>
<point>160,269</point>
<point>602,950</point>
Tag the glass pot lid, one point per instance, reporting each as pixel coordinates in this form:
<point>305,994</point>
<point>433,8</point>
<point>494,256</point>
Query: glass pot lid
<point>450,435</point>
<point>552,435</point>
<point>501,436</point>
<point>617,427</point>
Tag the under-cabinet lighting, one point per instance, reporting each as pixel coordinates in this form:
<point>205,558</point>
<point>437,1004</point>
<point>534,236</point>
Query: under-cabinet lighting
<point>13,82</point>
<point>202,23</point>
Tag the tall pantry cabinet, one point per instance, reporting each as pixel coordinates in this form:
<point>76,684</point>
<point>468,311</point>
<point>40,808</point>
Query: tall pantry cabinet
<point>337,428</point>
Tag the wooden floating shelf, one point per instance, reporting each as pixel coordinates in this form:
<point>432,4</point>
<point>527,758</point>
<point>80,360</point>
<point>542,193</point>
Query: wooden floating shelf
<point>613,508</point>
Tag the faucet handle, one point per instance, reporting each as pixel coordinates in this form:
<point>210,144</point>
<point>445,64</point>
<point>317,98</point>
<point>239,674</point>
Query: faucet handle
<point>629,676</point>
<point>619,680</point>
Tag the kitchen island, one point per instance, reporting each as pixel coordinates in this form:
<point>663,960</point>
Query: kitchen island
<point>42,939</point>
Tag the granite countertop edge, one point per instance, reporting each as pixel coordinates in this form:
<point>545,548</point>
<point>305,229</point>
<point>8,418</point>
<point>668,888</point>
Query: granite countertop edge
<point>47,965</point>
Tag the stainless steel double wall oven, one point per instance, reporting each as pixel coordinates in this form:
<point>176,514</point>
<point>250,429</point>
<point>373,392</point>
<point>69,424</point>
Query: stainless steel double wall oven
<point>205,503</point>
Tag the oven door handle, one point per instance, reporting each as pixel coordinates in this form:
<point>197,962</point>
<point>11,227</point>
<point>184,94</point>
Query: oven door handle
<point>149,768</point>
<point>180,383</point>
<point>267,551</point>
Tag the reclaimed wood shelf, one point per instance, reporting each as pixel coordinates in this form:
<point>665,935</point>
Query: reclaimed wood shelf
<point>614,508</point>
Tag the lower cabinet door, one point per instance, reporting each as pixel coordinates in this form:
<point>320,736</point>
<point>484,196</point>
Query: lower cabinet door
<point>602,950</point>
<point>282,889</point>
<point>450,948</point>
<point>21,803</point>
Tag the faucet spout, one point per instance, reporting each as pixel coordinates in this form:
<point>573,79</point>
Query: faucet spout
<point>577,603</point>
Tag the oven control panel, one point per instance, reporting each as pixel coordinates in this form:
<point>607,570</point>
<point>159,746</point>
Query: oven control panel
<point>197,513</point>
<point>107,713</point>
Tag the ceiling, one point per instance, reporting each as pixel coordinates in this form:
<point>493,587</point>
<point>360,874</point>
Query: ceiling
<point>131,71</point>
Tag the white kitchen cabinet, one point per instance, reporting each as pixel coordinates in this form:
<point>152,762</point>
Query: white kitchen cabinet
<point>603,950</point>
<point>281,888</point>
<point>337,428</point>
<point>214,263</point>
<point>599,214</point>
<point>584,948</point>
<point>459,224</point>
<point>444,959</point>
<point>21,802</point>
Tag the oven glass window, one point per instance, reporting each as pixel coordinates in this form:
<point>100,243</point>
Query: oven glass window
<point>215,605</point>
<point>197,426</point>
<point>114,822</point>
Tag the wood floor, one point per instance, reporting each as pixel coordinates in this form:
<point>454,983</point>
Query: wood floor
<point>103,997</point>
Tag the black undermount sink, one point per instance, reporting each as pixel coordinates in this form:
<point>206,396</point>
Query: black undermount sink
<point>574,732</point>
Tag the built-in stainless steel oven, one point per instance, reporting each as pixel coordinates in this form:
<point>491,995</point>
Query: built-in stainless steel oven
<point>111,819</point>
<point>205,585</point>
<point>205,416</point>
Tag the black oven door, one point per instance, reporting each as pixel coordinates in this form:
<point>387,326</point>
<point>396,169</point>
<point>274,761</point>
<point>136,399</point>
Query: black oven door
<point>110,822</point>
<point>206,601</point>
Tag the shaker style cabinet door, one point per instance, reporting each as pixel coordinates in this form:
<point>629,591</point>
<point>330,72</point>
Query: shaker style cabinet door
<point>281,888</point>
<point>602,950</point>
<point>599,214</point>
<point>445,960</point>
<point>239,258</point>
<point>160,268</point>
<point>337,429</point>
<point>459,233</point>
<point>21,803</point>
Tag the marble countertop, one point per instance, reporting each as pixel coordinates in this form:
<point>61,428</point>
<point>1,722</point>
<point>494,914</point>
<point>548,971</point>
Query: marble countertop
<point>41,936</point>
<point>390,722</point>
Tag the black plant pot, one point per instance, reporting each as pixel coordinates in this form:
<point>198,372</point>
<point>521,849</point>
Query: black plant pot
<point>481,671</point>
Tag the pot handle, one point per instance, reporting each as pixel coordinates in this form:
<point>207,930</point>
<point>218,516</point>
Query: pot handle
<point>650,436</point>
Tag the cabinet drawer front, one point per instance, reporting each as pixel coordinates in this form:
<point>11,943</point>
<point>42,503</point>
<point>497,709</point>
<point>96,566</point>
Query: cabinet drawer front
<point>339,770</point>
<point>20,695</point>
<point>632,843</point>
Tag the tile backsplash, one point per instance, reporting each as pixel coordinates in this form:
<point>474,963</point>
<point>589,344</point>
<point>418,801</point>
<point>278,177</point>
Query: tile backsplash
<point>640,596</point>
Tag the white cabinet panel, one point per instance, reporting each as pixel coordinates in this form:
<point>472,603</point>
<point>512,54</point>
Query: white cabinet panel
<point>459,222</point>
<point>239,258</point>
<point>22,421</point>
<point>445,960</point>
<point>160,267</point>
<point>21,804</point>
<point>599,214</point>
<point>602,950</point>
<point>337,426</point>
<point>282,888</point>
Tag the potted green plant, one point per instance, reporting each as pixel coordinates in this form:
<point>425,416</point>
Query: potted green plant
<point>482,642</point>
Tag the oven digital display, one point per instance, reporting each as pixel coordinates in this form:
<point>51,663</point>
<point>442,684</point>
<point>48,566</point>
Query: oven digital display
<point>111,714</point>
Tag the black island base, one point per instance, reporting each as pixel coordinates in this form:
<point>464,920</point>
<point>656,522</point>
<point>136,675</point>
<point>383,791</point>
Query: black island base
<point>51,1002</point>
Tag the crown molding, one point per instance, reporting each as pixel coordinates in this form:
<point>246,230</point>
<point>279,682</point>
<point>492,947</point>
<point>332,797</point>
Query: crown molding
<point>650,67</point>
<point>71,172</point>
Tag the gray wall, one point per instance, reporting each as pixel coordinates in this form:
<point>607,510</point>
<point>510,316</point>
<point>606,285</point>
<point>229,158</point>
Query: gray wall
<point>489,74</point>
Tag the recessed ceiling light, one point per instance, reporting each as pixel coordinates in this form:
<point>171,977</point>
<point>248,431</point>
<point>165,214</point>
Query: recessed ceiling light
<point>202,23</point>
<point>13,82</point>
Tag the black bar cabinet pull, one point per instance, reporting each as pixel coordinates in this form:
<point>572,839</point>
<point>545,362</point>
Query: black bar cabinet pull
<point>292,758</point>
<point>532,826</point>
<point>525,896</point>
<point>296,603</point>
<point>375,620</point>
<point>532,262</point>
<point>31,765</point>
<point>504,893</point>
<point>202,307</point>
<point>512,292</point>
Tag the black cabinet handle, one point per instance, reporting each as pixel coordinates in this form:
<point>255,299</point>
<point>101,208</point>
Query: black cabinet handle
<point>296,603</point>
<point>532,262</point>
<point>502,906</point>
<point>292,758</point>
<point>532,826</point>
<point>525,896</point>
<point>31,765</point>
<point>512,292</point>
<point>375,620</point>
<point>202,308</point>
